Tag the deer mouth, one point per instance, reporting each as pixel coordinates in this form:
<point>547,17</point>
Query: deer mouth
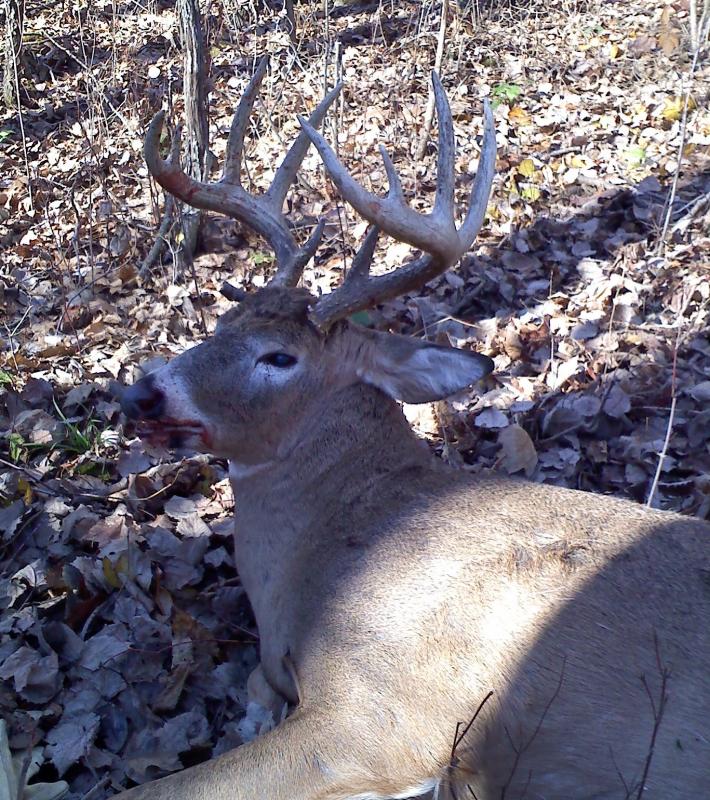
<point>174,433</point>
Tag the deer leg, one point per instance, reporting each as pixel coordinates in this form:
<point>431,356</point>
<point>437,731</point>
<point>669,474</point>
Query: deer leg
<point>312,755</point>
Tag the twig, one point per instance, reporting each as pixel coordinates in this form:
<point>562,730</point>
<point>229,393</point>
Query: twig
<point>291,21</point>
<point>683,132</point>
<point>562,151</point>
<point>181,643</point>
<point>11,345</point>
<point>519,751</point>
<point>460,734</point>
<point>326,52</point>
<point>438,58</point>
<point>669,427</point>
<point>620,774</point>
<point>92,79</point>
<point>22,129</point>
<point>697,23</point>
<point>699,206</point>
<point>662,455</point>
<point>160,238</point>
<point>34,474</point>
<point>584,426</point>
<point>658,712</point>
<point>96,788</point>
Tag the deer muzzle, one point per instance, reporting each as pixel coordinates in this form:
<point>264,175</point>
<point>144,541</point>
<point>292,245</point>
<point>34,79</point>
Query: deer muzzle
<point>144,400</point>
<point>146,403</point>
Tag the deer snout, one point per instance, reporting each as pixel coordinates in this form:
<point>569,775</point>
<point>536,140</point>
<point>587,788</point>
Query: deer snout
<point>144,400</point>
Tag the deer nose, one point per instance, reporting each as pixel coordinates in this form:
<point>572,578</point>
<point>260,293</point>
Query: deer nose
<point>143,400</point>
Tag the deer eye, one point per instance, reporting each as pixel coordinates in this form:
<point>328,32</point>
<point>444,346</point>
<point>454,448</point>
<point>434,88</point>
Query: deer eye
<point>281,360</point>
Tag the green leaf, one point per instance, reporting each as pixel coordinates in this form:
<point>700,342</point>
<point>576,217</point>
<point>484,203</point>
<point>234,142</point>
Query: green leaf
<point>17,448</point>
<point>259,258</point>
<point>361,318</point>
<point>530,193</point>
<point>635,155</point>
<point>506,91</point>
<point>5,378</point>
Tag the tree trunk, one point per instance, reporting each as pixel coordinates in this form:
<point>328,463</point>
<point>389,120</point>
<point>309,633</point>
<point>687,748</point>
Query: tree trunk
<point>12,46</point>
<point>196,131</point>
<point>291,21</point>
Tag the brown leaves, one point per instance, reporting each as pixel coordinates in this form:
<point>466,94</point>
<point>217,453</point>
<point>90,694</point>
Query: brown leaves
<point>517,450</point>
<point>114,617</point>
<point>70,741</point>
<point>15,772</point>
<point>34,676</point>
<point>668,35</point>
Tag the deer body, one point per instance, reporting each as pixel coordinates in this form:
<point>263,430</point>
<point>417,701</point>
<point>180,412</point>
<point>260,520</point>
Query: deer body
<point>426,588</point>
<point>393,593</point>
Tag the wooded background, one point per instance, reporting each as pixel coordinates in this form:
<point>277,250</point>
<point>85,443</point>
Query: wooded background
<point>125,639</point>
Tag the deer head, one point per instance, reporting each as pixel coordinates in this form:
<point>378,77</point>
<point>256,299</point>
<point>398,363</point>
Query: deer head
<point>281,352</point>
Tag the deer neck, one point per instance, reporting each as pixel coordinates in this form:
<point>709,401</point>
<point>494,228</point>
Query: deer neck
<point>318,488</point>
<point>353,436</point>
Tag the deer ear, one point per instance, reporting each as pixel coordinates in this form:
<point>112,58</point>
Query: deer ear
<point>415,371</point>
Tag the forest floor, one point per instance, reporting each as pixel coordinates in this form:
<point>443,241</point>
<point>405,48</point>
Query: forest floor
<point>125,640</point>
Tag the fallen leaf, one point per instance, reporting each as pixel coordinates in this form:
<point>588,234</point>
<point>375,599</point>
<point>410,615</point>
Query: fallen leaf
<point>14,774</point>
<point>519,116</point>
<point>673,108</point>
<point>526,168</point>
<point>70,740</point>
<point>701,392</point>
<point>668,37</point>
<point>491,418</point>
<point>518,450</point>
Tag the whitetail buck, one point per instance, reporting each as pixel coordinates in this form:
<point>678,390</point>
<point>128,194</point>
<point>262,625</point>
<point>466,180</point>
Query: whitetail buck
<point>392,593</point>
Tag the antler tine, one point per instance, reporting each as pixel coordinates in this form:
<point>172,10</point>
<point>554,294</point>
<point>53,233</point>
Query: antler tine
<point>264,214</point>
<point>231,173</point>
<point>481,189</point>
<point>395,185</point>
<point>444,201</point>
<point>360,267</point>
<point>286,173</point>
<point>289,273</point>
<point>390,213</point>
<point>355,285</point>
<point>434,233</point>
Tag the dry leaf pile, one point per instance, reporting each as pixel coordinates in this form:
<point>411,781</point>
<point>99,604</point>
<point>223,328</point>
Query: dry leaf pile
<point>125,639</point>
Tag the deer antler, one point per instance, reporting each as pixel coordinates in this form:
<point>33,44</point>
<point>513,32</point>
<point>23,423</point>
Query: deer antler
<point>434,233</point>
<point>262,213</point>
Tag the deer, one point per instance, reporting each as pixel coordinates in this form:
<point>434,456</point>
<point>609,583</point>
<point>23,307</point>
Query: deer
<point>429,628</point>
